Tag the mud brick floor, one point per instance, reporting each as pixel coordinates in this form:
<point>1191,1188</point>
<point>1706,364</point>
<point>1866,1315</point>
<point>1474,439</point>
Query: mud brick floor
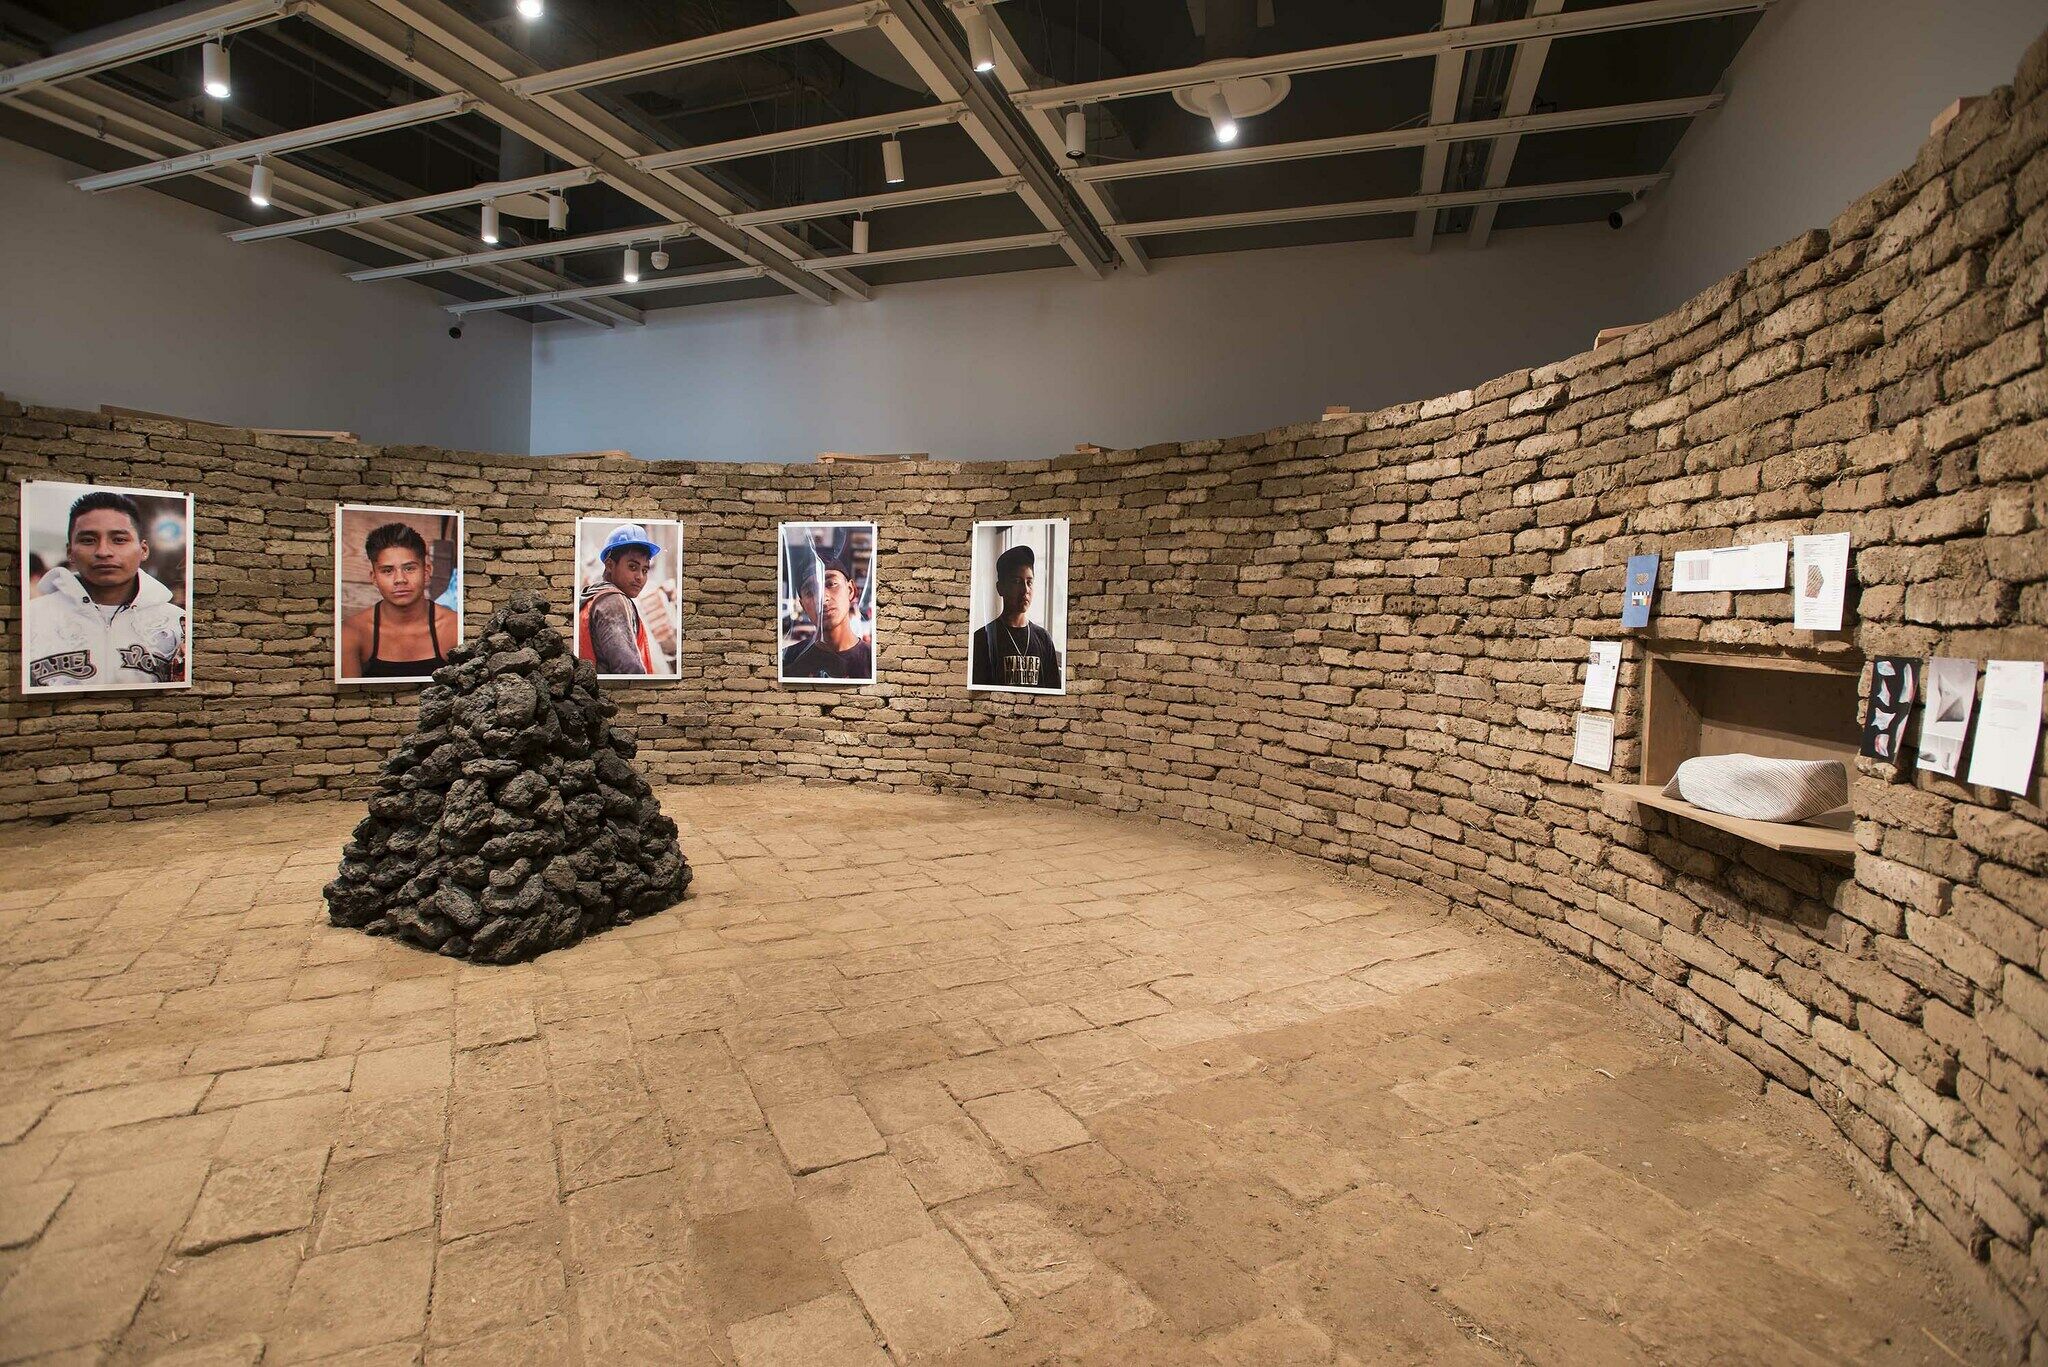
<point>909,1077</point>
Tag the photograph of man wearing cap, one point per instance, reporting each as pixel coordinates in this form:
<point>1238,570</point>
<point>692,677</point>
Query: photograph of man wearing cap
<point>613,631</point>
<point>98,619</point>
<point>1010,650</point>
<point>833,640</point>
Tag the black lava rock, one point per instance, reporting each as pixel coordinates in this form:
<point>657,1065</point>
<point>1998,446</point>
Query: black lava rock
<point>513,820</point>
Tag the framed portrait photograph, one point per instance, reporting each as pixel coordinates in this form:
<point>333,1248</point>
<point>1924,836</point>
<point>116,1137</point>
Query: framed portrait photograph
<point>397,592</point>
<point>1017,607</point>
<point>629,597</point>
<point>825,602</point>
<point>106,581</point>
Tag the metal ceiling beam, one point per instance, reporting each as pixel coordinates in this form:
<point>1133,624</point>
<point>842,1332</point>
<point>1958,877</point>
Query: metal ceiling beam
<point>116,119</point>
<point>1578,23</point>
<point>1014,73</point>
<point>1647,111</point>
<point>818,135</point>
<point>561,246</point>
<point>361,125</point>
<point>424,204</point>
<point>934,251</point>
<point>924,40</point>
<point>434,43</point>
<point>1523,78</point>
<point>688,280</point>
<point>800,28</point>
<point>168,36</point>
<point>893,199</point>
<point>1444,87</point>
<point>1398,204</point>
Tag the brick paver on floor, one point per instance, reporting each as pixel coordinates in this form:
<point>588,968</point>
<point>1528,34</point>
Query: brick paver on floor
<point>873,1094</point>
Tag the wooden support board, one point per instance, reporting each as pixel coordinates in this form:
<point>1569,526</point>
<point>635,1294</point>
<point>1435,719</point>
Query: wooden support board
<point>1827,834</point>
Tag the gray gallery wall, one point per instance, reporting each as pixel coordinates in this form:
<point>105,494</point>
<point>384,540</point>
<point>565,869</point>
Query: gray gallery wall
<point>1827,99</point>
<point>136,299</point>
<point>1027,364</point>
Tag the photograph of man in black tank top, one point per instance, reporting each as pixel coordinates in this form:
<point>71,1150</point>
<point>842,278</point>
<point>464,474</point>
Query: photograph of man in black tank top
<point>404,633</point>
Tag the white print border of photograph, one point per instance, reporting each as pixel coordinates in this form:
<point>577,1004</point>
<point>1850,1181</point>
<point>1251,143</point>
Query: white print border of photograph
<point>26,510</point>
<point>1603,672</point>
<point>2008,725</point>
<point>649,524</point>
<point>980,594</point>
<point>1946,686</point>
<point>1593,742</point>
<point>461,590</point>
<point>871,591</point>
<point>1826,555</point>
<point>1731,569</point>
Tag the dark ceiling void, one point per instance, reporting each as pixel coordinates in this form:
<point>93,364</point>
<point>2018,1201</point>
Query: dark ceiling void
<point>1573,107</point>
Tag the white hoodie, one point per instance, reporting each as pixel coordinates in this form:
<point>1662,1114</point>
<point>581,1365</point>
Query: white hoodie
<point>73,642</point>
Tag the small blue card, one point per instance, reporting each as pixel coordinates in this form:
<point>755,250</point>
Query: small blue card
<point>1639,591</point>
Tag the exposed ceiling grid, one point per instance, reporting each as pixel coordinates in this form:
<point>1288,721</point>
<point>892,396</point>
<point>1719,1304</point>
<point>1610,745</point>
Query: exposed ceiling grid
<point>663,129</point>
<point>1443,108</point>
<point>1527,72</point>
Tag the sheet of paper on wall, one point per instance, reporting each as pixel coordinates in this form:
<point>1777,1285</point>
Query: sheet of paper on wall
<point>2008,725</point>
<point>1949,690</point>
<point>1894,688</point>
<point>1639,590</point>
<point>1820,578</point>
<point>1603,670</point>
<point>1731,569</point>
<point>1593,744</point>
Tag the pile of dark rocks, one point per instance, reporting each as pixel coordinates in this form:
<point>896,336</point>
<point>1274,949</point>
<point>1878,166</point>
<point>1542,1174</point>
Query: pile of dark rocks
<point>512,821</point>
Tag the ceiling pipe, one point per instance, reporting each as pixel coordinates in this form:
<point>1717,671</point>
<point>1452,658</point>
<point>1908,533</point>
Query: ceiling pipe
<point>86,56</point>
<point>1404,47</point>
<point>560,246</point>
<point>1396,204</point>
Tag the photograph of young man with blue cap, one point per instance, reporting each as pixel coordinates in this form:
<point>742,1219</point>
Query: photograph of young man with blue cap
<point>625,624</point>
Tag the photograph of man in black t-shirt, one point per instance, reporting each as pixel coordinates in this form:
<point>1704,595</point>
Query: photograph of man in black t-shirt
<point>1019,648</point>
<point>833,638</point>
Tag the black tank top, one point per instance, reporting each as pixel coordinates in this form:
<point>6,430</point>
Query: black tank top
<point>374,668</point>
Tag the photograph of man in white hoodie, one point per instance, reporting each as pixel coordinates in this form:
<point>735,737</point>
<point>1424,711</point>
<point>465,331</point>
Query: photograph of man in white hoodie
<point>96,617</point>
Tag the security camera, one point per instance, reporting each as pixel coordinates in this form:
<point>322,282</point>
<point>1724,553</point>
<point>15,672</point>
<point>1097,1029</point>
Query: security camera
<point>1628,213</point>
<point>456,332</point>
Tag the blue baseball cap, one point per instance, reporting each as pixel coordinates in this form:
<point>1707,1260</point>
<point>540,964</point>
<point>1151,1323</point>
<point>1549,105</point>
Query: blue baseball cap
<point>631,537</point>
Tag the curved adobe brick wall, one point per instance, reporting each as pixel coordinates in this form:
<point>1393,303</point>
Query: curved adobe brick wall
<point>1358,640</point>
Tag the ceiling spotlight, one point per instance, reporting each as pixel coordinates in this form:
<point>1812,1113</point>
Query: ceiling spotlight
<point>631,273</point>
<point>1228,102</point>
<point>860,237</point>
<point>1077,134</point>
<point>1219,114</point>
<point>558,212</point>
<point>658,258</point>
<point>892,161</point>
<point>213,64</point>
<point>531,10</point>
<point>981,44</point>
<point>259,185</point>
<point>490,233</point>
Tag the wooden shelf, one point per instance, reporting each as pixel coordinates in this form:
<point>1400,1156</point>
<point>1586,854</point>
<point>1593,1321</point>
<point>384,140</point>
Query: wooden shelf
<point>1827,834</point>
